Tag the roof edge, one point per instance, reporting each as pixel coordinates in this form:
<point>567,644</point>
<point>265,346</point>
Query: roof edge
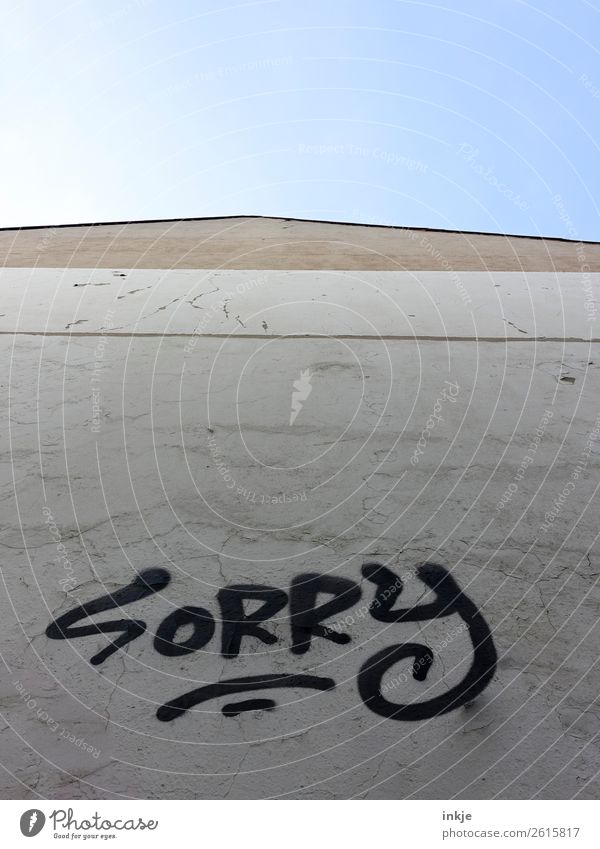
<point>301,220</point>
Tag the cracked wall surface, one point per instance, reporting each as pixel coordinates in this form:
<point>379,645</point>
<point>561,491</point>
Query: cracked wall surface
<point>146,426</point>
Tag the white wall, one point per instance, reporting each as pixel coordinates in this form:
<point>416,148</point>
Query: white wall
<point>147,426</point>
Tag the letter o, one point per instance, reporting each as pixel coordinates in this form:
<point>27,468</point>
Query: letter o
<point>204,628</point>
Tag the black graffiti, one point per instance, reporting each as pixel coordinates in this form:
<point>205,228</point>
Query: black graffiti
<point>203,630</point>
<point>449,599</point>
<point>248,705</point>
<point>306,617</point>
<point>237,623</point>
<point>146,583</point>
<point>181,704</point>
<point>307,621</point>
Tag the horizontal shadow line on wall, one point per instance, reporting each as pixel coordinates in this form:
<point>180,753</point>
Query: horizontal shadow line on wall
<point>301,336</point>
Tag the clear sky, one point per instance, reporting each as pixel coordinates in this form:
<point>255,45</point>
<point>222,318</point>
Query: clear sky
<point>464,115</point>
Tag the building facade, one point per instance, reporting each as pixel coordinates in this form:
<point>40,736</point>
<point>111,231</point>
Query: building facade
<point>300,510</point>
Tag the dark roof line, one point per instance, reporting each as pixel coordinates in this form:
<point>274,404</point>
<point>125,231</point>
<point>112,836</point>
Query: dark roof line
<point>305,220</point>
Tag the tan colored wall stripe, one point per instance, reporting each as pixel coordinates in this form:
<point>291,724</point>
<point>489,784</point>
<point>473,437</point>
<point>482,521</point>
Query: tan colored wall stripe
<point>273,243</point>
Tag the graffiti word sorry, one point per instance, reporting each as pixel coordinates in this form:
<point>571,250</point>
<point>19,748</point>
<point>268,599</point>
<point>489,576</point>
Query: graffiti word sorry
<point>188,629</point>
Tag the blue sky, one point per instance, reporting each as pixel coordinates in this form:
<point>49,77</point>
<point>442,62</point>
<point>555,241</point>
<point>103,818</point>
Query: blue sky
<point>465,115</point>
